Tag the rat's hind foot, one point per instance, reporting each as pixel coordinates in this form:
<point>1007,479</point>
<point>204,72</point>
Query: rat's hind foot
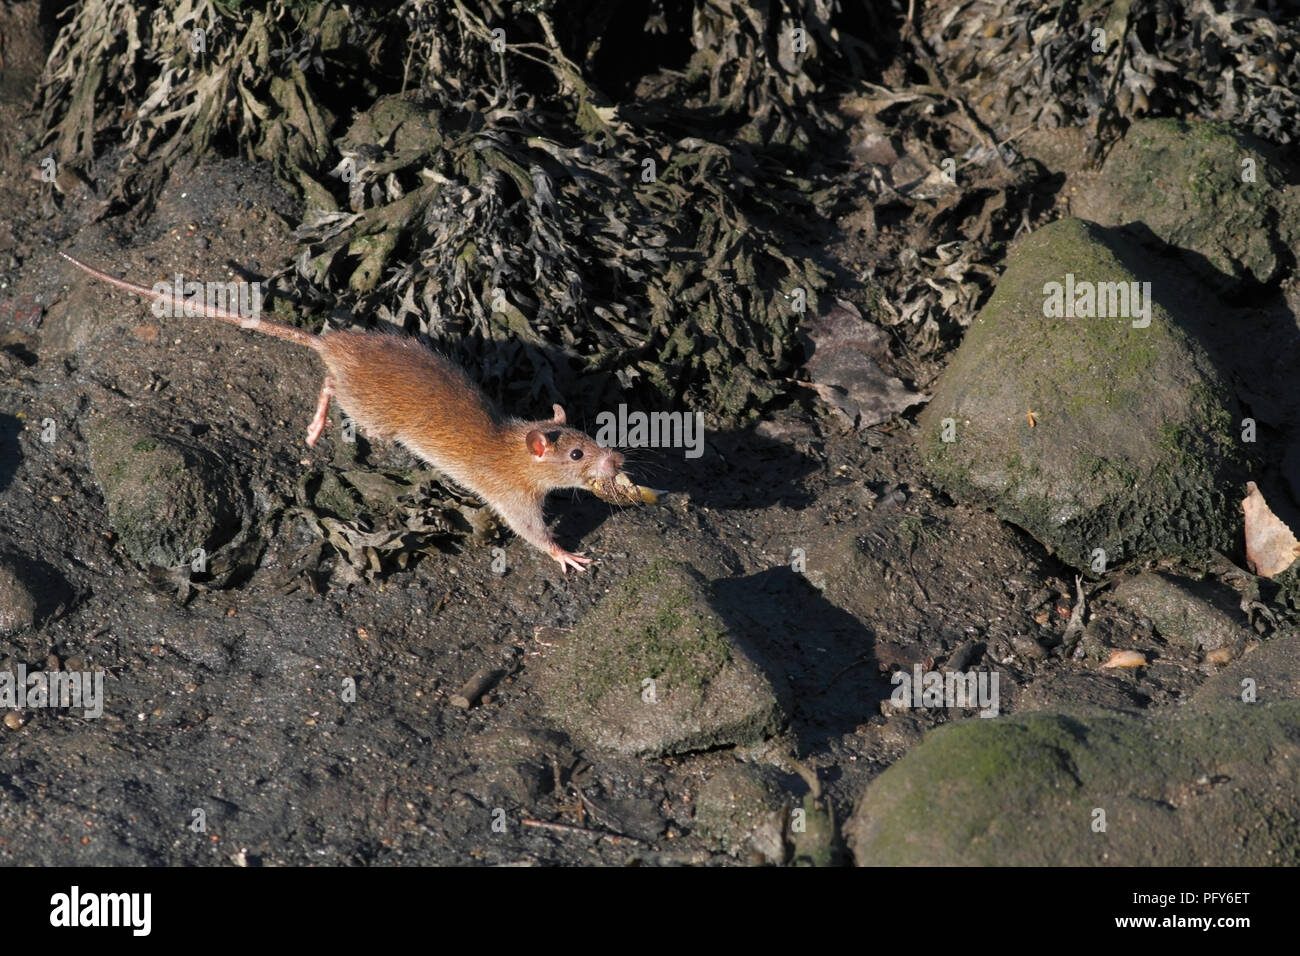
<point>569,560</point>
<point>322,412</point>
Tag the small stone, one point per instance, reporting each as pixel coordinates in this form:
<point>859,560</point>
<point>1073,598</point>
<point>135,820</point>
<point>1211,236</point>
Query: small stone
<point>17,604</point>
<point>1025,646</point>
<point>164,495</point>
<point>966,654</point>
<point>14,719</point>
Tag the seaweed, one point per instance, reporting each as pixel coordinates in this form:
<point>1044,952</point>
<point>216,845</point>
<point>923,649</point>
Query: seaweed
<point>486,193</point>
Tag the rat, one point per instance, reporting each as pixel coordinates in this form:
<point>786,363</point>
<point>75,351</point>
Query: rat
<point>396,388</point>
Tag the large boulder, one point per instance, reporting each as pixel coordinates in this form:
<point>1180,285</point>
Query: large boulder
<point>1192,788</point>
<point>1219,195</point>
<point>1106,432</point>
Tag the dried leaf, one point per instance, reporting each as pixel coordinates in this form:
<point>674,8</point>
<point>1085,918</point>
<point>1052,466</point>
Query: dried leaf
<point>1271,548</point>
<point>1126,659</point>
<point>845,368</point>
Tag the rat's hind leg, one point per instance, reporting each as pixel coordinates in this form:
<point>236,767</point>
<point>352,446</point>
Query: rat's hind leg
<point>322,411</point>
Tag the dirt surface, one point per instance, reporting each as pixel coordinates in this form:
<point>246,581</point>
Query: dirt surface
<point>229,709</point>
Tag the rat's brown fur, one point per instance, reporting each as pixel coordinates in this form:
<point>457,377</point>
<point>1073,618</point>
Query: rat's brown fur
<point>395,388</point>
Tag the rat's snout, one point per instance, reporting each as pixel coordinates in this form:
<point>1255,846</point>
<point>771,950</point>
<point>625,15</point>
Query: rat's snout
<point>611,464</point>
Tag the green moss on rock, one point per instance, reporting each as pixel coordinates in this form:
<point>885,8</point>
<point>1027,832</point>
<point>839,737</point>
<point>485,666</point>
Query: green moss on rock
<point>1132,449</point>
<point>164,497</point>
<point>1211,788</point>
<point>1204,187</point>
<point>653,669</point>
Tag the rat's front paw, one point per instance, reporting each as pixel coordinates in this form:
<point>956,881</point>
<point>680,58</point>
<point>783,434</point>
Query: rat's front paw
<point>568,559</point>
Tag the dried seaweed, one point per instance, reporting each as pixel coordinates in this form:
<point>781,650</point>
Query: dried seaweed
<point>1055,64</point>
<point>499,202</point>
<point>466,177</point>
<point>377,521</point>
<point>176,81</point>
<point>996,69</point>
<point>845,368</point>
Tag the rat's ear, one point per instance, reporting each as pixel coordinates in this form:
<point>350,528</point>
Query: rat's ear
<point>537,443</point>
<point>559,414</point>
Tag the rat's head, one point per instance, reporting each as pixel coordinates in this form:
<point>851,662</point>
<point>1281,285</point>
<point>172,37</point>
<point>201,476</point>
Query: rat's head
<point>562,457</point>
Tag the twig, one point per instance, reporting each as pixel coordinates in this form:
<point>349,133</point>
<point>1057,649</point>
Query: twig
<point>483,680</point>
<point>1074,628</point>
<point>606,835</point>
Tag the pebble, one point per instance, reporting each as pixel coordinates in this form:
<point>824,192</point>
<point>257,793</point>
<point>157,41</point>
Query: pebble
<point>17,603</point>
<point>1026,646</point>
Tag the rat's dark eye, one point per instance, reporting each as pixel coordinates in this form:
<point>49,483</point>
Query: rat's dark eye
<point>575,454</point>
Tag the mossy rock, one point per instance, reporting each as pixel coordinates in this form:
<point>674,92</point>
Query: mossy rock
<point>1266,673</point>
<point>653,670</point>
<point>165,496</point>
<point>1222,196</point>
<point>1090,433</point>
<point>1218,788</point>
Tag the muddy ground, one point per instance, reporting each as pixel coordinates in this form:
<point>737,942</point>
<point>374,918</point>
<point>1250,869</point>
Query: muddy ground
<point>228,703</point>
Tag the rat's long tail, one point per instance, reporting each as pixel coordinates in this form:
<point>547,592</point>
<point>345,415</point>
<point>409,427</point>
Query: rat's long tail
<point>182,307</point>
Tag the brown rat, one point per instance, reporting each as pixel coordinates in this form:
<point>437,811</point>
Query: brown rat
<point>395,388</point>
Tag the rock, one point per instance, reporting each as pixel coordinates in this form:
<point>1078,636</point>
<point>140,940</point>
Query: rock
<point>32,592</point>
<point>741,811</point>
<point>1025,647</point>
<point>1132,448</point>
<point>1269,672</point>
<point>1188,182</point>
<point>1182,788</point>
<point>166,496</point>
<point>17,603</point>
<point>1185,612</point>
<point>652,670</point>
<point>1092,688</point>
